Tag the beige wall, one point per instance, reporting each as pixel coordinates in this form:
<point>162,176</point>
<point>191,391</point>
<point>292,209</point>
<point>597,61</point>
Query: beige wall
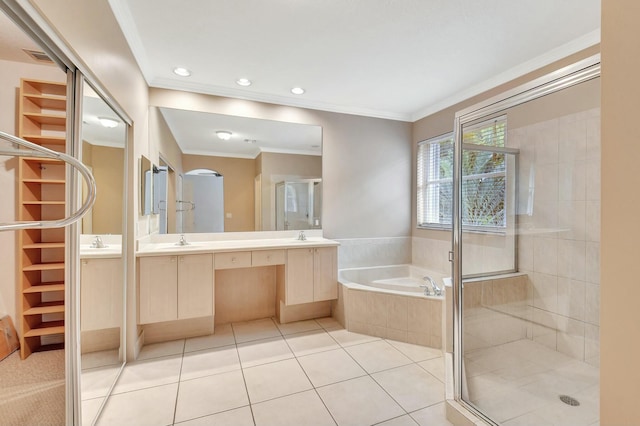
<point>366,166</point>
<point>10,74</point>
<point>238,176</point>
<point>107,165</point>
<point>620,268</point>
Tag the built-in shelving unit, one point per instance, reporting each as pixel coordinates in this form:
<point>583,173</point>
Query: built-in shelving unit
<point>41,196</point>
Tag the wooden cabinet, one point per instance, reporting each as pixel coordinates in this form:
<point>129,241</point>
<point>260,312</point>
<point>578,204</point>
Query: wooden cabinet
<point>175,287</point>
<point>41,196</point>
<point>101,294</point>
<point>311,275</point>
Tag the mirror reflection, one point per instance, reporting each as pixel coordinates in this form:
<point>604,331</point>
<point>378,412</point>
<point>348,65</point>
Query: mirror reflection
<point>101,266</point>
<point>227,170</point>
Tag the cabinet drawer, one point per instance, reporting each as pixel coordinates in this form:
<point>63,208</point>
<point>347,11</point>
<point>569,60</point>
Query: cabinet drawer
<point>267,257</point>
<point>236,259</point>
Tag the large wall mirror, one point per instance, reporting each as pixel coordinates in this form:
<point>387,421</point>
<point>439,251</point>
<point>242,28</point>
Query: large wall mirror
<point>235,174</point>
<point>102,292</point>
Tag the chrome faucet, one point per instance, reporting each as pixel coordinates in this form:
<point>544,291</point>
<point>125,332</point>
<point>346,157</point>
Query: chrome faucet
<point>97,242</point>
<point>302,236</point>
<point>182,241</point>
<point>437,291</point>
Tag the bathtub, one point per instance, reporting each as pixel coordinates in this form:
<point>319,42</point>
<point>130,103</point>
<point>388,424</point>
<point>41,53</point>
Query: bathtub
<point>387,301</point>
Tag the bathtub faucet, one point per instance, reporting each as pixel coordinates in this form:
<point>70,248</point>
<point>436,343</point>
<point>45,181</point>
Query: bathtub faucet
<point>437,291</point>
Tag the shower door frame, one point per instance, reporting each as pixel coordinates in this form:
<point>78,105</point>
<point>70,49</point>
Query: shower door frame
<point>579,72</point>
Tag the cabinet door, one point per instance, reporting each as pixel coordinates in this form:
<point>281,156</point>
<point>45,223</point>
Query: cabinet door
<point>325,274</point>
<point>299,280</point>
<point>100,294</point>
<point>158,289</point>
<point>195,286</point>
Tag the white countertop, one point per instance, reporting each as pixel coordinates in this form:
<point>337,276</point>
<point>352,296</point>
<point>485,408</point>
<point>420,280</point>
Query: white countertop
<point>109,252</point>
<point>155,249</point>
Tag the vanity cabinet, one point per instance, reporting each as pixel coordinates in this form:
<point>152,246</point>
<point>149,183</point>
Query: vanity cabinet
<point>100,294</point>
<point>175,287</point>
<point>311,275</point>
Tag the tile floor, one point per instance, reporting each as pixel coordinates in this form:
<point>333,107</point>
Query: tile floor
<point>263,373</point>
<point>519,383</point>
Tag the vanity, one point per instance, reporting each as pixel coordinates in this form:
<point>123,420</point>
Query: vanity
<point>184,290</point>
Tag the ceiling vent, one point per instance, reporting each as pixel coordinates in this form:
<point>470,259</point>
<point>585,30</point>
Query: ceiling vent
<point>38,56</point>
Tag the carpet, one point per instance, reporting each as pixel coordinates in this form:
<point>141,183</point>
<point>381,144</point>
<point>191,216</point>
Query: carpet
<point>32,392</point>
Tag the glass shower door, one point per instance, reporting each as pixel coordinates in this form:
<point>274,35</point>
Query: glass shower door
<point>526,255</point>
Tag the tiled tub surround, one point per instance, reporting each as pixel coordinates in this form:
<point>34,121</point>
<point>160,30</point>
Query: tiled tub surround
<point>406,316</point>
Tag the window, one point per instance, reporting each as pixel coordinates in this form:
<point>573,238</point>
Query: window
<point>483,181</point>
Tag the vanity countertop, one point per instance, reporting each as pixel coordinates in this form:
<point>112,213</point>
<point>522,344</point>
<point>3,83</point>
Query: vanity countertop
<point>194,247</point>
<point>112,251</point>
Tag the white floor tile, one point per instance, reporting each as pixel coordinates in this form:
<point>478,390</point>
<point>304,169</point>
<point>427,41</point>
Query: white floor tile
<point>298,327</point>
<point>274,380</point>
<point>158,350</point>
<point>153,407</point>
<point>149,373</point>
<point>209,361</point>
<point>90,408</point>
<point>96,382</point>
<point>431,416</point>
<point>223,336</point>
<point>359,402</point>
<point>100,359</point>
<point>311,342</point>
<point>435,367</point>
<point>264,351</point>
<point>210,395</point>
<point>300,409</point>
<point>411,386</point>
<point>346,338</point>
<point>416,353</point>
<point>405,420</point>
<point>255,330</point>
<point>377,356</point>
<point>237,417</point>
<point>329,367</point>
<point>328,323</point>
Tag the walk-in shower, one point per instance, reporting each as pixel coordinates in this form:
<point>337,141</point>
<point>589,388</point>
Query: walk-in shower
<point>526,252</point>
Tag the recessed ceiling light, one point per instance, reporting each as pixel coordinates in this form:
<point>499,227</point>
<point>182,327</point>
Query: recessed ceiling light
<point>182,72</point>
<point>243,82</point>
<point>297,90</point>
<point>224,134</point>
<point>107,122</point>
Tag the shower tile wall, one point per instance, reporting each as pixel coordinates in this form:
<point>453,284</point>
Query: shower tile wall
<point>559,218</point>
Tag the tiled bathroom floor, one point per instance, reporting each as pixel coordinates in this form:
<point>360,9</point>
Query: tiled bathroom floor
<point>263,373</point>
<point>519,383</point>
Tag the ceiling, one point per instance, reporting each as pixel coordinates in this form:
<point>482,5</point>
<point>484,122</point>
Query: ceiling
<point>195,133</point>
<point>396,59</point>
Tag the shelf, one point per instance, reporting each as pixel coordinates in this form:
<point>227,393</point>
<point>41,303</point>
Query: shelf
<point>41,87</point>
<point>46,308</point>
<point>44,288</point>
<point>44,267</point>
<point>48,101</point>
<point>46,329</point>
<point>44,245</point>
<point>46,140</point>
<point>55,120</point>
<point>42,160</point>
<point>45,181</point>
<point>43,203</point>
